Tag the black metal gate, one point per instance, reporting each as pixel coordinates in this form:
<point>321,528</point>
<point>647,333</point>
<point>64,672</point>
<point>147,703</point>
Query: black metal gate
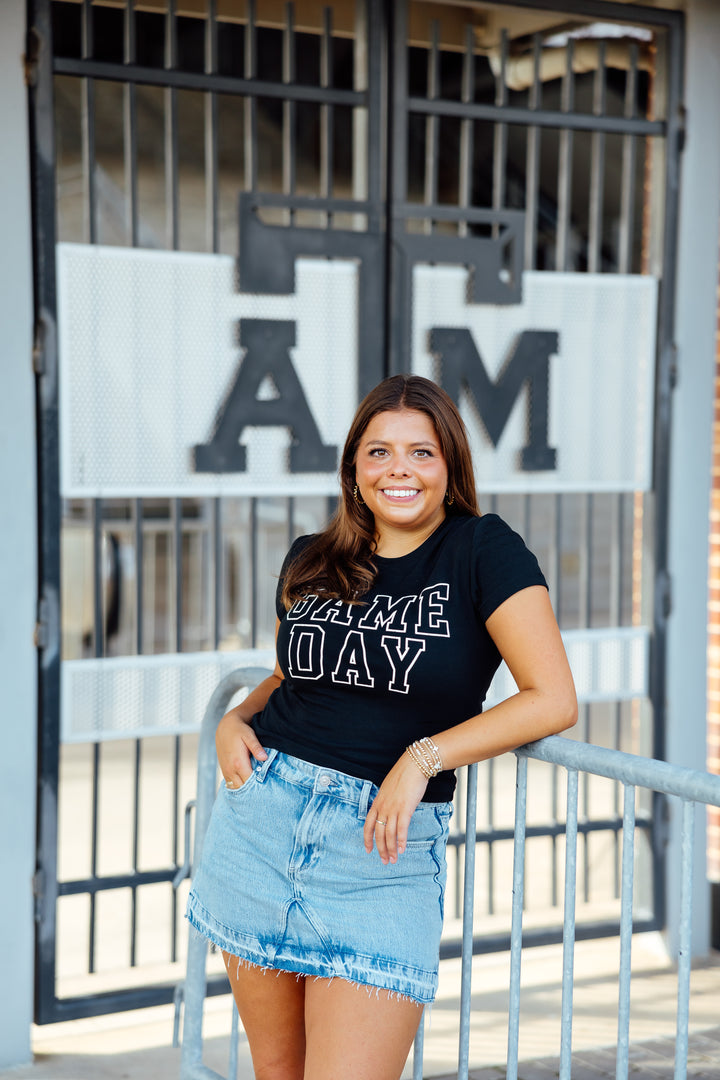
<point>503,139</point>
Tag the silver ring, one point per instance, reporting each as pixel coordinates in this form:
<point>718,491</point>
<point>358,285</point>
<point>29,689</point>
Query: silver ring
<point>379,822</point>
<point>228,783</point>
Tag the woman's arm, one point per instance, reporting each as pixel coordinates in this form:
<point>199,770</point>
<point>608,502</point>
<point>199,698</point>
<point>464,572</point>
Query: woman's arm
<point>235,741</point>
<point>527,636</point>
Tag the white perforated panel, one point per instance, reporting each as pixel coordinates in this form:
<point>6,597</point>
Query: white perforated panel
<point>149,351</point>
<point>163,695</point>
<point>134,696</point>
<point>600,416</point>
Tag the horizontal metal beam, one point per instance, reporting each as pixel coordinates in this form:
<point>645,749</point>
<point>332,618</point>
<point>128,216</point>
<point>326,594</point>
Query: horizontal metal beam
<point>211,82</point>
<point>557,828</point>
<point>608,10</point>
<point>115,881</point>
<point>451,949</point>
<point>115,1001</point>
<point>545,118</point>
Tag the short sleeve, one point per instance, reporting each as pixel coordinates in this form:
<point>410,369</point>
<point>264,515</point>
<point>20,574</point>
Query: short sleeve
<point>297,547</point>
<point>501,565</point>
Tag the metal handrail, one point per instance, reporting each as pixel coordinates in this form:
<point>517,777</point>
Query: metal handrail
<point>689,785</point>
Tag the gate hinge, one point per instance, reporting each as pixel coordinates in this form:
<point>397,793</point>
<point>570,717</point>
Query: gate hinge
<point>673,370</point>
<point>30,57</point>
<point>46,635</point>
<point>681,128</point>
<point>38,350</point>
<point>38,887</point>
<point>663,593</point>
<point>40,633</point>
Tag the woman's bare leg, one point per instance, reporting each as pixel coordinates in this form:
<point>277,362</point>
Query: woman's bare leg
<point>356,1032</point>
<point>271,1005</point>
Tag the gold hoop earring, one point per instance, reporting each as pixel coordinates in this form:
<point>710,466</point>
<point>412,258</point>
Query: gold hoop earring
<point>449,498</point>
<point>357,497</point>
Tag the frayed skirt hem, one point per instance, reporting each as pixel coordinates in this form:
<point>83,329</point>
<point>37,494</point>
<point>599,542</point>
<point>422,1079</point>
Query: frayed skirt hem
<point>372,973</point>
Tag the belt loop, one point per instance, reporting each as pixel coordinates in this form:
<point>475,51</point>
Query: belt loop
<point>262,768</point>
<point>364,799</point>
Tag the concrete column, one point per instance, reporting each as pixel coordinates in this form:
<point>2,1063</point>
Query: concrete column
<point>18,553</point>
<point>691,447</point>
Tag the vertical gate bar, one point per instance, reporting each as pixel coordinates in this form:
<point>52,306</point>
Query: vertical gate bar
<point>617,548</point>
<point>88,124</point>
<point>172,214</point>
<point>253,572</point>
<point>130,131</point>
<point>41,115</point>
<point>432,123</point>
<point>584,714</point>
<point>177,550</point>
<point>500,133</point>
<point>135,852</point>
<point>217,574</point>
<point>490,771</point>
<point>466,127</point>
<point>291,502</point>
<point>139,575</point>
<point>289,109</point>
<point>250,102</point>
<point>93,853</point>
<point>564,197</point>
<point>586,617</point>
<point>663,409</point>
<point>176,855</point>
<point>326,113</point>
<point>584,620</point>
<point>377,143</point>
<point>556,547</point>
<point>211,133</point>
<point>99,651</point>
<point>571,831</point>
<point>517,915</point>
<point>532,173</point>
<point>597,169</point>
<point>553,839</point>
<point>467,927</point>
<point>626,925</point>
<point>98,639</point>
<point>397,187</point>
<point>627,186</point>
<point>685,943</point>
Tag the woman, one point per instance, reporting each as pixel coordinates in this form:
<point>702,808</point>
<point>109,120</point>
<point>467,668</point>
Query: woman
<point>325,855</point>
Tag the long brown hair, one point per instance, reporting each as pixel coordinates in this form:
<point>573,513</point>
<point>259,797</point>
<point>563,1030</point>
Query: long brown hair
<point>338,561</point>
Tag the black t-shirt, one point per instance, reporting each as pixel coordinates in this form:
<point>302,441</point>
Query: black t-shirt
<point>362,681</point>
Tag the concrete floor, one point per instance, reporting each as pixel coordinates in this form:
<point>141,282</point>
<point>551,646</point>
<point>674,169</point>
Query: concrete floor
<point>139,1045</point>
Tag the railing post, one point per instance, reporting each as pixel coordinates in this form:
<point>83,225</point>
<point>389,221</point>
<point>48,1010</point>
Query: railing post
<point>468,918</point>
<point>571,831</point>
<point>517,913</point>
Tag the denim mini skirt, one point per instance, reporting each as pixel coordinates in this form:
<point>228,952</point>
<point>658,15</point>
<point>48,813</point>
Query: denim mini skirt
<point>285,882</point>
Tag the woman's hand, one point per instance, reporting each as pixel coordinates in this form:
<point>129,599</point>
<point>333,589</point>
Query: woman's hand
<point>388,819</point>
<point>237,744</point>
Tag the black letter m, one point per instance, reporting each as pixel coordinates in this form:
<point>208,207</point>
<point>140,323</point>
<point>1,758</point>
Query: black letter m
<point>461,366</point>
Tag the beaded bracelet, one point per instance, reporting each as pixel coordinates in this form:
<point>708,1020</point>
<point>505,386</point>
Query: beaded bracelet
<point>426,756</point>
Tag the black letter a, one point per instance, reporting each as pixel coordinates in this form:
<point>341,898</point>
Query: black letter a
<point>266,342</point>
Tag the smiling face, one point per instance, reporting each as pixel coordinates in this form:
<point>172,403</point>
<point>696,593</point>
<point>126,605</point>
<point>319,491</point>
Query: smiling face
<point>402,477</point>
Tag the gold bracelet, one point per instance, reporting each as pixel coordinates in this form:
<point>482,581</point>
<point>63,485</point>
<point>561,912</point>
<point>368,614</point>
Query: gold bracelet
<point>426,756</point>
